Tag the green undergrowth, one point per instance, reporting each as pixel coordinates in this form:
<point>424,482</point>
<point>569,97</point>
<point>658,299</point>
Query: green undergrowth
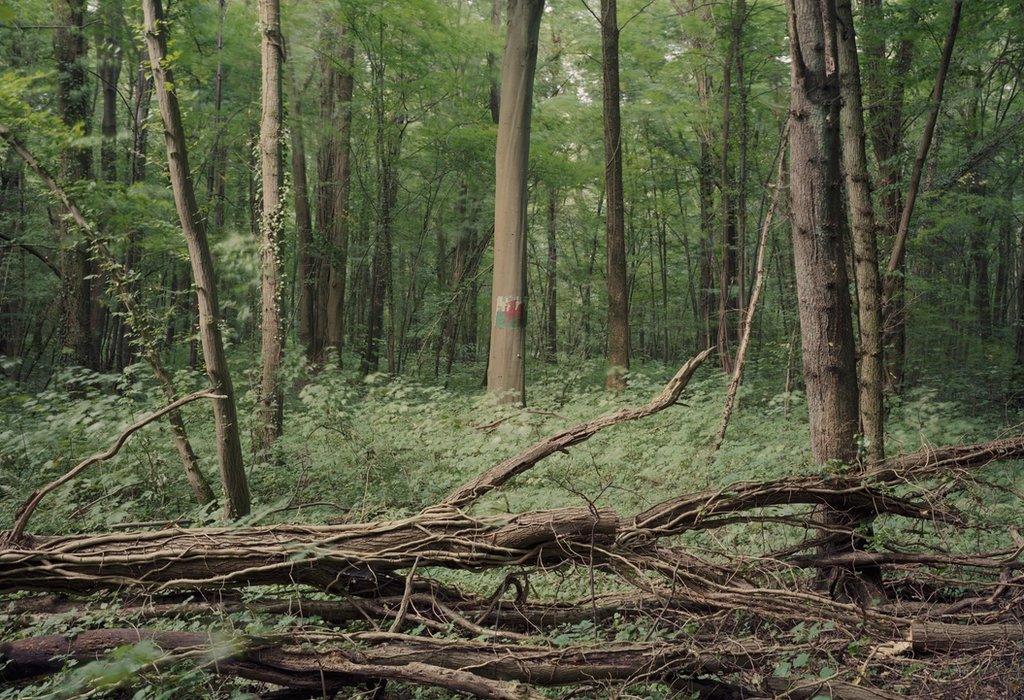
<point>380,447</point>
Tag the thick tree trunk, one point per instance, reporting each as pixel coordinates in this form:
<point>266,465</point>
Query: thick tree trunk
<point>229,447</point>
<point>338,252</point>
<point>270,399</point>
<point>615,233</point>
<point>865,244</point>
<point>74,107</point>
<point>823,300</point>
<point>506,367</point>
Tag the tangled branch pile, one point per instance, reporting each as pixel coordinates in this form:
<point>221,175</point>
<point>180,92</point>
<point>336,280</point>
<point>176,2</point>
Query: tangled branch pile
<point>814,612</point>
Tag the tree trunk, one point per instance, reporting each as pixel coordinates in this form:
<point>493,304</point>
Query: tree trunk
<point>338,252</point>
<point>551,327</point>
<point>728,304</point>
<point>865,244</point>
<point>1019,343</point>
<point>303,221</point>
<point>270,399</point>
<point>387,144</point>
<point>826,327</point>
<point>899,244</point>
<point>109,70</point>
<point>73,105</point>
<point>319,271</point>
<point>506,368</point>
<point>615,235</point>
<point>140,119</point>
<point>885,92</point>
<point>229,448</point>
<point>215,183</point>
<point>494,92</point>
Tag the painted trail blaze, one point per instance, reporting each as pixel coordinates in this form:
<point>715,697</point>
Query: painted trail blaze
<point>510,312</point>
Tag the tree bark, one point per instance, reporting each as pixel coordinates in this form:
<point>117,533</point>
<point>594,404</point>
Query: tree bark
<point>270,399</point>
<point>506,367</point>
<point>885,89</point>
<point>229,447</point>
<point>615,234</point>
<point>865,243</point>
<point>823,300</point>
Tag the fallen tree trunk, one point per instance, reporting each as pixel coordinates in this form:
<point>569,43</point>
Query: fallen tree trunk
<point>327,663</point>
<point>350,558</point>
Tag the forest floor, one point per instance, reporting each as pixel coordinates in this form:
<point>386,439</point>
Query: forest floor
<point>372,448</point>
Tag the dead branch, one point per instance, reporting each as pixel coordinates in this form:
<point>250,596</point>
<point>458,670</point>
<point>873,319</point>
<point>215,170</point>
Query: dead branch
<point>24,513</point>
<point>501,473</point>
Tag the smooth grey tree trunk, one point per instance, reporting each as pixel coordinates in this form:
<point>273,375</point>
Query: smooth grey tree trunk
<point>506,368</point>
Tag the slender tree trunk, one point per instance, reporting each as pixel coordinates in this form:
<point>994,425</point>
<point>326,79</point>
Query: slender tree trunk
<point>885,92</point>
<point>1004,262</point>
<point>751,308</point>
<point>506,368</point>
<point>109,74</point>
<point>823,300</point>
<point>1019,344</point>
<point>899,244</point>
<point>728,305</point>
<point>743,90</point>
<point>339,226</point>
<point>707,300</point>
<point>494,93</point>
<point>615,238</point>
<point>304,278</point>
<point>217,176</point>
<point>551,329</point>
<point>229,447</point>
<point>865,244</point>
<point>119,280</point>
<point>982,299</point>
<point>387,143</point>
<point>270,401</point>
<point>140,119</point>
<point>73,105</point>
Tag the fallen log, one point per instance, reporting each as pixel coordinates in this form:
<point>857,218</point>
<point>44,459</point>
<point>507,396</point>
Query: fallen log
<point>944,638</point>
<point>341,558</point>
<point>327,662</point>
